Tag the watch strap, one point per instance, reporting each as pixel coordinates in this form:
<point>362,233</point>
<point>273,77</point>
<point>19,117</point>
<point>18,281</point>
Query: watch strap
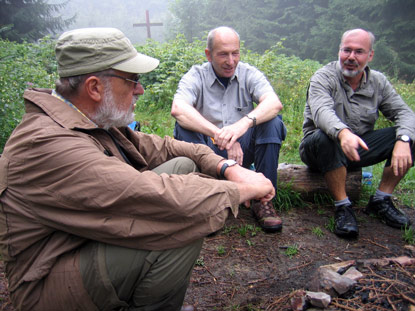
<point>404,138</point>
<point>253,120</point>
<point>225,165</point>
<point>222,170</point>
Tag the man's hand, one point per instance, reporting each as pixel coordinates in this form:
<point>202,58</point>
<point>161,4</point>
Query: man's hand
<point>227,135</point>
<point>236,153</point>
<point>350,143</point>
<point>251,185</point>
<point>401,158</point>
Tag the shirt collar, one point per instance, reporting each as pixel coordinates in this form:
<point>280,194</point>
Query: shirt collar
<point>212,76</point>
<point>59,96</point>
<point>363,81</point>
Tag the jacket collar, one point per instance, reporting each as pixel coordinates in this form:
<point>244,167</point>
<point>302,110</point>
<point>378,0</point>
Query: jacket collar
<point>58,110</point>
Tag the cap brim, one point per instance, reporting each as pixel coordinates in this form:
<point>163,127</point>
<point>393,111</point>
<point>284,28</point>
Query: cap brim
<point>139,64</point>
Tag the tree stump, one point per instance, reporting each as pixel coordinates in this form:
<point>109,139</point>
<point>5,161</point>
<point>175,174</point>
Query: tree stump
<point>309,183</point>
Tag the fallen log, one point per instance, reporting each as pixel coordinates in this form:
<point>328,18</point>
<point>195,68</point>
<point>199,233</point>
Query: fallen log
<point>309,183</point>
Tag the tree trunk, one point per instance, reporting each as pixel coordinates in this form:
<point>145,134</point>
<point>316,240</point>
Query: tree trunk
<point>309,183</point>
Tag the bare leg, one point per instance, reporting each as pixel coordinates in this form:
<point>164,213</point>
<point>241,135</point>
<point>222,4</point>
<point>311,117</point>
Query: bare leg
<point>389,180</point>
<point>336,182</point>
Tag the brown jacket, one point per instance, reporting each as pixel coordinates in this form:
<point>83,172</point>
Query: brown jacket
<point>63,182</point>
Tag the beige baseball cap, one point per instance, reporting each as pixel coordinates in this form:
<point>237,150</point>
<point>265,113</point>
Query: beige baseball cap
<point>87,50</point>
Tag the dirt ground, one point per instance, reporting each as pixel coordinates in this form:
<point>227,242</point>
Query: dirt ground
<point>243,268</point>
<point>238,272</point>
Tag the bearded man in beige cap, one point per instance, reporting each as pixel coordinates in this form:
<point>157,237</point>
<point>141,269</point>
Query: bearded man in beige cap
<point>96,216</point>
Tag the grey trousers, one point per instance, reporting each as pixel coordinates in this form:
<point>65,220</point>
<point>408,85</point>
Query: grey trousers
<point>119,278</point>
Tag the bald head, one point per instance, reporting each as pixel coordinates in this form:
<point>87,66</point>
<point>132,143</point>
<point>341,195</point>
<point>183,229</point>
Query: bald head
<point>363,34</point>
<point>220,32</point>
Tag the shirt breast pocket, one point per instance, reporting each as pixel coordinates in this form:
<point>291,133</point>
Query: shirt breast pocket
<point>243,110</point>
<point>369,115</point>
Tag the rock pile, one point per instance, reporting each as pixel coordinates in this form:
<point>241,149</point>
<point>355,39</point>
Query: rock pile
<point>333,284</point>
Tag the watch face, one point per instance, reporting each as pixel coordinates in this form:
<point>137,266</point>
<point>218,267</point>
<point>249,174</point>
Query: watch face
<point>405,138</point>
<point>230,162</point>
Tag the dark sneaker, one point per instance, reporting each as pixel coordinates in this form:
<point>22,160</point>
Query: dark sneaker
<point>266,216</point>
<point>387,212</point>
<point>345,222</point>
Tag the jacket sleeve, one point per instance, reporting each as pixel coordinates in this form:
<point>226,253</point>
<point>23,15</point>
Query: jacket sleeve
<point>67,183</point>
<point>321,104</point>
<point>396,110</point>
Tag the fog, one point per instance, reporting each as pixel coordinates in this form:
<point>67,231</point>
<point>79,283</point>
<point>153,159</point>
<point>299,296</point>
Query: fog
<point>121,14</point>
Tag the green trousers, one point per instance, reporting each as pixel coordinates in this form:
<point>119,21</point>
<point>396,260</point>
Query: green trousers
<point>119,278</point>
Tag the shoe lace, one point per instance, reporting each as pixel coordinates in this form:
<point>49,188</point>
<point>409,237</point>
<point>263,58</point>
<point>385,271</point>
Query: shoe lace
<point>390,208</point>
<point>265,211</point>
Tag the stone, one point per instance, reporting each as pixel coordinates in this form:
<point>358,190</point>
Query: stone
<point>340,267</point>
<point>374,262</point>
<point>404,260</point>
<point>320,300</point>
<point>330,282</point>
<point>353,273</point>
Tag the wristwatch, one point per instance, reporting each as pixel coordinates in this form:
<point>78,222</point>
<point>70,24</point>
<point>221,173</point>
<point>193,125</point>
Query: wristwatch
<point>225,165</point>
<point>404,138</point>
<point>253,120</point>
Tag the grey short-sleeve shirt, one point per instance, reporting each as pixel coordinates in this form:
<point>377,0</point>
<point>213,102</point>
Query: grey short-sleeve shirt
<point>222,105</point>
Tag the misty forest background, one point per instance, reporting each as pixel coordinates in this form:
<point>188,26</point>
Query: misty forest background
<point>286,39</point>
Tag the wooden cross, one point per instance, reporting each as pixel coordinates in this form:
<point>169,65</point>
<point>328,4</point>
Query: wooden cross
<point>147,24</point>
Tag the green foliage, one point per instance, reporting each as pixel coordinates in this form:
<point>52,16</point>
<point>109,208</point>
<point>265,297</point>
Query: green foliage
<point>22,66</point>
<point>176,57</point>
<point>221,250</point>
<point>228,229</point>
<point>287,198</point>
<point>331,224</point>
<point>289,76</point>
<point>200,262</point>
<point>310,29</point>
<point>322,199</point>
<point>291,250</point>
<point>34,65</point>
<point>248,230</point>
<point>317,231</point>
<point>186,17</point>
<point>29,20</point>
<point>409,235</point>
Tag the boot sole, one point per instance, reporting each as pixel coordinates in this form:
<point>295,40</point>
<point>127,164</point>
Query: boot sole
<point>346,234</point>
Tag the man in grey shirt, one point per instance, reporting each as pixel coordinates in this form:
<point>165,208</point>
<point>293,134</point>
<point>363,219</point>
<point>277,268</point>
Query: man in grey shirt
<point>343,103</point>
<point>214,105</point>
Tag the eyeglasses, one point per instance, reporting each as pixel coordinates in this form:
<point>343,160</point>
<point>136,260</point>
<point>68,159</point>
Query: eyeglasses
<point>135,81</point>
<point>358,52</point>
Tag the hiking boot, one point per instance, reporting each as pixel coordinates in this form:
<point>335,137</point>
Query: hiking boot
<point>266,216</point>
<point>345,222</point>
<point>387,212</point>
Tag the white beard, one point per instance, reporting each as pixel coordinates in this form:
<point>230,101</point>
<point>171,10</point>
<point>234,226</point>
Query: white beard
<point>349,73</point>
<point>109,115</point>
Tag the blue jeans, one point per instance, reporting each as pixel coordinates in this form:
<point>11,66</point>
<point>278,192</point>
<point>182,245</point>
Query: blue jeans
<point>260,145</point>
